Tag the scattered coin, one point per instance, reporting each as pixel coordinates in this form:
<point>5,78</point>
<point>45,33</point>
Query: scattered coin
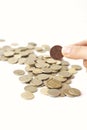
<point>27,95</point>
<point>41,65</point>
<point>32,43</point>
<point>30,88</point>
<point>77,67</point>
<point>53,92</point>
<point>74,92</point>
<point>24,53</point>
<point>43,76</point>
<point>3,58</point>
<point>72,70</point>
<point>25,78</point>
<point>55,67</point>
<point>36,82</point>
<point>13,60</point>
<point>56,53</point>
<point>53,83</point>
<point>59,78</point>
<point>8,53</point>
<point>47,70</point>
<point>19,72</point>
<point>37,71</point>
<point>65,74</point>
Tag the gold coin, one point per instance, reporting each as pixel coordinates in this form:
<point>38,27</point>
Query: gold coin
<point>72,70</point>
<point>13,60</point>
<point>74,92</point>
<point>37,71</point>
<point>77,67</point>
<point>59,78</point>
<point>42,76</point>
<point>18,72</point>
<point>24,53</point>
<point>40,61</point>
<point>41,65</point>
<point>64,74</point>
<point>46,70</point>
<point>3,58</point>
<point>25,78</point>
<point>36,82</point>
<point>8,53</point>
<point>30,88</point>
<point>53,92</point>
<point>27,95</point>
<point>53,83</point>
<point>32,43</point>
<point>20,49</point>
<point>55,67</point>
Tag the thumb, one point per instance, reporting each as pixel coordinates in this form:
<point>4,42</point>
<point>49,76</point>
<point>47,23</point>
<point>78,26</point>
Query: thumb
<point>75,52</point>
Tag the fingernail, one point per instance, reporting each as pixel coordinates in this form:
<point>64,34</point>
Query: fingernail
<point>66,50</point>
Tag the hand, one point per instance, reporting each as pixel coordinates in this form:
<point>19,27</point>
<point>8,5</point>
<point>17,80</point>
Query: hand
<point>76,51</point>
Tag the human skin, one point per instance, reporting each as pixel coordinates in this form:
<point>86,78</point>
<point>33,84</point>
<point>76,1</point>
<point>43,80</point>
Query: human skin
<point>76,51</point>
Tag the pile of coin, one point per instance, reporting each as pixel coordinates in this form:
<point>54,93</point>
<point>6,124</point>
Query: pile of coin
<point>52,76</point>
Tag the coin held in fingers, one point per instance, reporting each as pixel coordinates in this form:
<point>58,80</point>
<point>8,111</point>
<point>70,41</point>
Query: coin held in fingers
<point>56,52</point>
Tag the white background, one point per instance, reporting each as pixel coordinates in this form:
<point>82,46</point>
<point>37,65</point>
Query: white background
<point>44,22</point>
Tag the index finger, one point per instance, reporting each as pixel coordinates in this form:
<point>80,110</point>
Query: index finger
<point>82,43</point>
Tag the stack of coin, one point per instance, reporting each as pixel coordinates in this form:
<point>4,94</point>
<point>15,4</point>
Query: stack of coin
<point>51,73</point>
